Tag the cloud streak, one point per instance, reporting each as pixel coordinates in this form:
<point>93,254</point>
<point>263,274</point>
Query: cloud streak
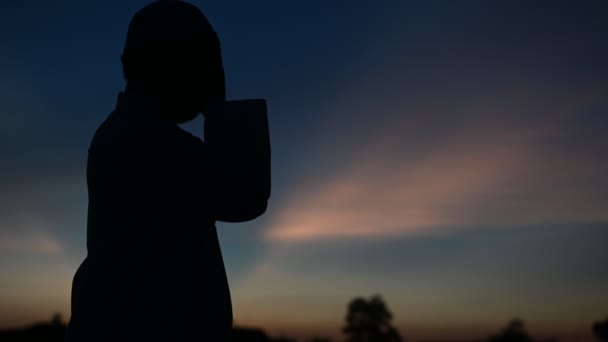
<point>37,243</point>
<point>27,233</point>
<point>511,156</point>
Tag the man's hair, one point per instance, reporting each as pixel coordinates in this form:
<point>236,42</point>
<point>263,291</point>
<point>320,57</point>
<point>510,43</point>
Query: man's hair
<point>162,36</point>
<point>153,61</point>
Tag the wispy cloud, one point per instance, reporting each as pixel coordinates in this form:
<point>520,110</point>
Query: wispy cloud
<point>493,169</point>
<point>28,235</point>
<point>36,243</point>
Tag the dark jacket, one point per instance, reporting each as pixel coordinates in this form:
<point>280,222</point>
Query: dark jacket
<point>154,269</point>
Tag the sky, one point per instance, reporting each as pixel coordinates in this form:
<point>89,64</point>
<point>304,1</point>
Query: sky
<point>448,155</point>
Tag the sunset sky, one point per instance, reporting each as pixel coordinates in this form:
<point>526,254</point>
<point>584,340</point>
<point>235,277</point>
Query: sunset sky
<point>451,156</point>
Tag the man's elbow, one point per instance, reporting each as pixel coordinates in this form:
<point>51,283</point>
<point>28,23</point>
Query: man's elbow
<point>243,212</point>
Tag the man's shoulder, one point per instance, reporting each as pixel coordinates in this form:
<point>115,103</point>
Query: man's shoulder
<point>121,130</point>
<point>120,149</point>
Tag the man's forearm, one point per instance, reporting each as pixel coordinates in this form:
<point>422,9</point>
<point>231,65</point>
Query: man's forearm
<point>237,137</point>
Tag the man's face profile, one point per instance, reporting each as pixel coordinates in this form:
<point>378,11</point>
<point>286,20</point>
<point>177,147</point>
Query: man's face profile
<point>172,56</point>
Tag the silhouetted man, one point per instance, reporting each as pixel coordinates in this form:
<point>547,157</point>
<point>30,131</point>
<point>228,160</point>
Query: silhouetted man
<point>154,270</point>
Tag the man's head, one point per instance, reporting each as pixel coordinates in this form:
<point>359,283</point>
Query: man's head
<point>172,54</point>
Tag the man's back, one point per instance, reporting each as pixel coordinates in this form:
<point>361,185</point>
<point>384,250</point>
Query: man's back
<point>154,268</point>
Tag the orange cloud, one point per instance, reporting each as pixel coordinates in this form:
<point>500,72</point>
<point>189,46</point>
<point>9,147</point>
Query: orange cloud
<point>470,179</point>
<point>483,149</point>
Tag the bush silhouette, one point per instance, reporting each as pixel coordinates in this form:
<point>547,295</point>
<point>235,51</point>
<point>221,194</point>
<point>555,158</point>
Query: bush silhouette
<point>369,321</point>
<point>513,332</point>
<point>600,330</point>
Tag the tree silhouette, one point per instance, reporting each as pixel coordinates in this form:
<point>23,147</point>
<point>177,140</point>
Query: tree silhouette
<point>369,321</point>
<point>283,338</point>
<point>56,319</point>
<point>600,330</point>
<point>320,339</point>
<point>513,332</point>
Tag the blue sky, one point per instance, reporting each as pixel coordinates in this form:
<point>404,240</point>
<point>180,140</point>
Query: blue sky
<point>447,155</point>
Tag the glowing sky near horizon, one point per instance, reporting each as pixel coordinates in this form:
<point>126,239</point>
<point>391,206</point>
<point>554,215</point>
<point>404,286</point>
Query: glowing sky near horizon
<point>450,156</point>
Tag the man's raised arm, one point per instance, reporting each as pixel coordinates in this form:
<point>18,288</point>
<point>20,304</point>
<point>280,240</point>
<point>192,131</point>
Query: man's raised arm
<point>238,145</point>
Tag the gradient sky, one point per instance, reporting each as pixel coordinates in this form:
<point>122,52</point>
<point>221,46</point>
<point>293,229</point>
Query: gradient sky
<point>449,155</point>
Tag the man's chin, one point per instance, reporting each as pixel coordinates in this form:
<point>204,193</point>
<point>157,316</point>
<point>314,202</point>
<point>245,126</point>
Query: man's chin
<point>184,117</point>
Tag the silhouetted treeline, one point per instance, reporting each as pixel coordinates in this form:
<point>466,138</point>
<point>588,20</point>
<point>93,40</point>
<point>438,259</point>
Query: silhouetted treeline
<point>54,331</point>
<point>366,321</point>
